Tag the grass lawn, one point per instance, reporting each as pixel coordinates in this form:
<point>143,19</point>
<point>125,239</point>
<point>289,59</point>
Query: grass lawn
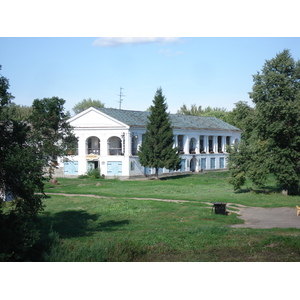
<point>119,227</point>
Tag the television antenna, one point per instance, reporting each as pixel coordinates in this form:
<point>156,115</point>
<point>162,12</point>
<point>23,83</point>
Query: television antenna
<point>121,99</point>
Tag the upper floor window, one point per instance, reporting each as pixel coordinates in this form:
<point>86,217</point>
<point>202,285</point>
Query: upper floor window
<point>134,144</point>
<point>180,143</point>
<point>114,144</point>
<point>93,145</point>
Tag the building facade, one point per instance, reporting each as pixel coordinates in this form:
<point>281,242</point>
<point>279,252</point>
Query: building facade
<point>109,139</point>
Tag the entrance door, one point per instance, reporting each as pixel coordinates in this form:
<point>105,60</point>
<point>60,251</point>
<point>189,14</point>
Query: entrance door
<point>91,165</point>
<point>193,164</point>
<point>114,168</point>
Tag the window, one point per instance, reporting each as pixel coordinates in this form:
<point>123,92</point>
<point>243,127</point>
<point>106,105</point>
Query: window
<point>114,146</point>
<point>93,145</point>
<point>73,149</point>
<point>180,142</point>
<point>212,163</point>
<point>134,145</point>
<point>132,165</point>
<point>222,164</point>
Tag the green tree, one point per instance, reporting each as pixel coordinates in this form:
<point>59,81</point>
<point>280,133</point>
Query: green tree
<point>21,176</point>
<point>240,116</point>
<point>87,103</point>
<point>273,135</point>
<point>220,113</point>
<point>193,111</point>
<point>51,132</point>
<point>157,149</point>
<point>17,112</point>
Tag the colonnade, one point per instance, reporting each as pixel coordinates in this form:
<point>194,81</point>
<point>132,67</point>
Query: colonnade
<point>202,143</point>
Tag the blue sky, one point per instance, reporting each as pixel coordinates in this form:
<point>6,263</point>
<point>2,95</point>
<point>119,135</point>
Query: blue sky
<point>213,71</point>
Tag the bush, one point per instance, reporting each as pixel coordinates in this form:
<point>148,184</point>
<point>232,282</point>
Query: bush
<point>95,173</point>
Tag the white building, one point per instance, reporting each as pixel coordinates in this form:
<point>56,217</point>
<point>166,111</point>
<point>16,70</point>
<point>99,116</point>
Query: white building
<point>110,138</point>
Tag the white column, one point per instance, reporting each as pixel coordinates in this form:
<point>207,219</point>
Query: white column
<point>223,143</point>
<point>186,144</point>
<point>215,143</point>
<point>175,141</point>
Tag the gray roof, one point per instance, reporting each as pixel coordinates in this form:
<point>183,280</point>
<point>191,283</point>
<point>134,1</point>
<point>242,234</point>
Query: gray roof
<point>140,119</point>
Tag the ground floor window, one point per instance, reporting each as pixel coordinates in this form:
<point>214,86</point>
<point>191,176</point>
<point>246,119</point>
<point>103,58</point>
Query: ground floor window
<point>212,163</point>
<point>183,162</point>
<point>203,163</point>
<point>132,166</point>
<point>114,168</point>
<point>71,167</point>
<point>222,164</point>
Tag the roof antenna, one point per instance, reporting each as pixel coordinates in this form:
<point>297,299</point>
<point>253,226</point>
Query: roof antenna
<point>121,95</point>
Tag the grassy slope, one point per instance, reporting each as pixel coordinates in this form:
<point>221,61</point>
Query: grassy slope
<point>124,229</point>
<point>208,187</point>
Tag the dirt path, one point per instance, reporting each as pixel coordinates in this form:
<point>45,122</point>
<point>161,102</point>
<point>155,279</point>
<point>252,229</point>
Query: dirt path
<point>257,217</point>
<point>254,217</point>
<point>106,197</point>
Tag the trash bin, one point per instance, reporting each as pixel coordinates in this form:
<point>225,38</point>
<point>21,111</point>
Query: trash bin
<point>220,208</point>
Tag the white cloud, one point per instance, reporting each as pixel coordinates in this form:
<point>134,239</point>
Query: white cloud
<point>169,52</point>
<point>119,41</point>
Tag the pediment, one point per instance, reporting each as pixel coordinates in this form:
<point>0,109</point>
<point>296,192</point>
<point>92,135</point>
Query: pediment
<point>93,118</point>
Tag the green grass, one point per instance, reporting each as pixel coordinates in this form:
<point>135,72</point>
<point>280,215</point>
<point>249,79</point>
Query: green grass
<point>208,187</point>
<point>121,228</point>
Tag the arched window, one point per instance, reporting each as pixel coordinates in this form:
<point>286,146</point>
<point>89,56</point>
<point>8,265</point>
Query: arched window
<point>114,145</point>
<point>93,145</point>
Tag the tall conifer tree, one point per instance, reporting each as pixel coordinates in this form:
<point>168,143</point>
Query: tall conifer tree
<point>157,149</point>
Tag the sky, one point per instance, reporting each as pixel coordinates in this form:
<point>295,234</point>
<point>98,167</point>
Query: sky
<point>70,49</point>
<point>206,71</point>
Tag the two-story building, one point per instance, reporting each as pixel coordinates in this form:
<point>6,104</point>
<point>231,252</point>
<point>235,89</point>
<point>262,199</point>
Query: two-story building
<point>109,139</point>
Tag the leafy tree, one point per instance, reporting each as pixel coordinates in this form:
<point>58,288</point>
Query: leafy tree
<point>193,111</point>
<point>157,149</point>
<point>273,134</point>
<point>220,113</point>
<point>51,132</point>
<point>21,176</point>
<point>17,112</point>
<point>240,116</point>
<point>87,103</point>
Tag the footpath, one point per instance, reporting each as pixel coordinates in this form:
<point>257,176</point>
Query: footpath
<point>257,217</point>
<point>254,217</point>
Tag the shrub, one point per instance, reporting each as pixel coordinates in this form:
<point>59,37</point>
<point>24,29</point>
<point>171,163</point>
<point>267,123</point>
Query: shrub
<point>95,173</point>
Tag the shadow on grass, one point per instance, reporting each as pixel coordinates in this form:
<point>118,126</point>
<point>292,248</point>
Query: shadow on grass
<point>175,177</point>
<point>267,190</point>
<point>76,223</point>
